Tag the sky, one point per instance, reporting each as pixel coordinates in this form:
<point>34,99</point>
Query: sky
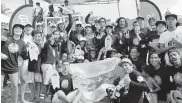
<point>111,11</point>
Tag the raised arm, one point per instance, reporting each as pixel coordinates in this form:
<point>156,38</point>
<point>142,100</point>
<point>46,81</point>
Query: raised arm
<point>70,23</point>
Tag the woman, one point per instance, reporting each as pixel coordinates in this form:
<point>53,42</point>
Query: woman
<point>121,25</point>
<point>13,47</point>
<point>157,72</point>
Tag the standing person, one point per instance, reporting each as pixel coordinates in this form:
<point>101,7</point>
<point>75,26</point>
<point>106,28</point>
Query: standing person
<point>14,46</point>
<point>153,36</point>
<point>134,84</point>
<point>67,8</point>
<point>35,65</point>
<point>48,55</point>
<point>28,39</point>
<point>143,29</point>
<point>152,22</point>
<point>122,24</point>
<point>38,13</point>
<point>172,37</point>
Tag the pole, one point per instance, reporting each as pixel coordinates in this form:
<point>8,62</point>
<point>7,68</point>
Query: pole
<point>118,8</point>
<point>137,7</point>
<point>25,2</point>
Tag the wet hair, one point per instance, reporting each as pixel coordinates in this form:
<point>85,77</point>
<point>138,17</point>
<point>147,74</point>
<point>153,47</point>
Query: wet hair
<point>101,19</point>
<point>126,22</point>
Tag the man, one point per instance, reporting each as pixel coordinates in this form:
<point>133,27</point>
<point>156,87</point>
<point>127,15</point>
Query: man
<point>141,21</point>
<point>172,37</point>
<point>67,9</point>
<point>52,28</point>
<point>153,36</point>
<point>28,39</point>
<point>174,71</point>
<point>134,84</point>
<point>38,13</point>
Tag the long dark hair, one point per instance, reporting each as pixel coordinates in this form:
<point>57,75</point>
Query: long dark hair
<point>21,36</point>
<point>150,54</point>
<point>117,21</point>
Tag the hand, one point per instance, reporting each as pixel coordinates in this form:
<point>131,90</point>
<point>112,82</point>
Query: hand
<point>91,13</point>
<point>3,56</point>
<point>3,38</point>
<point>127,34</point>
<point>64,84</point>
<point>127,80</point>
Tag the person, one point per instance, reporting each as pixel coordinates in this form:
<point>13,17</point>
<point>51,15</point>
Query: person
<point>152,96</point>
<point>92,55</point>
<point>153,36</point>
<point>14,46</point>
<point>66,92</point>
<point>157,72</point>
<point>39,27</point>
<point>67,8</point>
<point>143,29</point>
<point>109,40</point>
<point>52,28</point>
<point>152,22</point>
<point>38,13</point>
<point>134,84</point>
<point>172,35</point>
<point>34,65</point>
<point>122,24</point>
<point>77,33</point>
<point>48,55</point>
<point>176,68</point>
<point>24,72</point>
<point>136,60</point>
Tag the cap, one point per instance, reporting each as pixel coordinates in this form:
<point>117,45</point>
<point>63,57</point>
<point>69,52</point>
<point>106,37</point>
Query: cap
<point>28,25</point>
<point>109,25</point>
<point>87,25</point>
<point>96,21</point>
<point>140,17</point>
<point>18,25</point>
<point>37,3</point>
<point>78,22</point>
<point>125,60</point>
<point>169,14</point>
<point>160,22</point>
<point>66,1</point>
<point>82,39</point>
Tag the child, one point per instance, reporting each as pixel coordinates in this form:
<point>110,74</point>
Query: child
<point>66,93</point>
<point>48,63</point>
<point>34,66</point>
<point>152,96</point>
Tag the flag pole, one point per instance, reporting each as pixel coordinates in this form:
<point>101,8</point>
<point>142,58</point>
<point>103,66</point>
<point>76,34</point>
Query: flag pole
<point>137,7</point>
<point>118,8</point>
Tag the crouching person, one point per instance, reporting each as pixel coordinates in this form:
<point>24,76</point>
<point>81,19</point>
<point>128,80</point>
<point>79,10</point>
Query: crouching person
<point>133,83</point>
<point>66,93</point>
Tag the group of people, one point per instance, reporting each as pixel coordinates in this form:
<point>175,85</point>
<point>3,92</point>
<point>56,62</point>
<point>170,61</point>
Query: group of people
<point>151,56</point>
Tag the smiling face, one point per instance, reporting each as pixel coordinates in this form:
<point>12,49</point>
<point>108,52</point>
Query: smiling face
<point>17,31</point>
<point>61,26</point>
<point>38,38</point>
<point>108,30</point>
<point>88,29</point>
<point>134,53</point>
<point>102,22</point>
<point>175,58</point>
<point>93,54</point>
<point>127,67</point>
<point>154,60</point>
<point>28,30</point>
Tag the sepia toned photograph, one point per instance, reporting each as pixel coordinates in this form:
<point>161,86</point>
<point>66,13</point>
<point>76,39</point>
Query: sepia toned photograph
<point>91,51</point>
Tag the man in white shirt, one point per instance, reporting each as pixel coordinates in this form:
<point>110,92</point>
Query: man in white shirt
<point>173,36</point>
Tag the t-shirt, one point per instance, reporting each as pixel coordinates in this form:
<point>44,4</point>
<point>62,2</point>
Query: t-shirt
<point>70,83</point>
<point>13,48</point>
<point>139,63</point>
<point>167,36</point>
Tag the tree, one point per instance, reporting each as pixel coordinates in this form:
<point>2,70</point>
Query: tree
<point>5,10</point>
<point>30,2</point>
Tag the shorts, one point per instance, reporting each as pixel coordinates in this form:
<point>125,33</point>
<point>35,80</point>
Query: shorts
<point>48,70</point>
<point>8,72</point>
<point>34,77</point>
